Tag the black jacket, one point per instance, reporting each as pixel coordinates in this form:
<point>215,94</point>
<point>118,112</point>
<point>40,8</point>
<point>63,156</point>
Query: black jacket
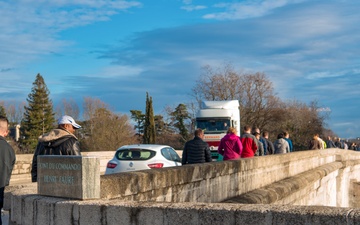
<point>270,147</point>
<point>7,162</point>
<point>196,151</point>
<point>56,142</point>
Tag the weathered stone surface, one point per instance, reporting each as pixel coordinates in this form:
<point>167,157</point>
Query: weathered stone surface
<point>75,177</point>
<point>310,178</point>
<point>287,188</point>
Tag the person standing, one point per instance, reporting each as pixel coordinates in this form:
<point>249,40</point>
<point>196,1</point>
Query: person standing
<point>270,146</point>
<point>330,143</point>
<point>314,143</point>
<point>59,141</point>
<point>7,159</point>
<point>287,138</point>
<point>248,142</point>
<point>196,150</point>
<point>322,142</point>
<point>262,140</point>
<point>230,145</point>
<point>338,143</point>
<point>281,145</point>
<point>260,151</point>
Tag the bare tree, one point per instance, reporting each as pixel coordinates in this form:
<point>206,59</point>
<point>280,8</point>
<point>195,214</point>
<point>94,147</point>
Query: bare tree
<point>259,105</point>
<point>68,107</point>
<point>14,111</point>
<point>217,84</point>
<point>105,130</point>
<point>254,92</point>
<point>90,105</point>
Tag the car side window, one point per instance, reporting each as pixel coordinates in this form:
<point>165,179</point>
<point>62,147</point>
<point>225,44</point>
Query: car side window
<point>170,154</point>
<point>175,157</point>
<point>166,154</point>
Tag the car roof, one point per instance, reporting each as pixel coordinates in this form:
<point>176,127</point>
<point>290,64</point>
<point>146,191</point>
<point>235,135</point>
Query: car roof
<point>144,146</point>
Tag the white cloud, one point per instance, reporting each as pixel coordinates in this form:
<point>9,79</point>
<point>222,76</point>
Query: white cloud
<point>118,71</point>
<point>30,28</point>
<point>190,8</point>
<point>248,9</point>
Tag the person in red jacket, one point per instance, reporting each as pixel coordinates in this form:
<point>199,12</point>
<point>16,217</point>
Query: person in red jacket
<point>230,145</point>
<point>249,143</point>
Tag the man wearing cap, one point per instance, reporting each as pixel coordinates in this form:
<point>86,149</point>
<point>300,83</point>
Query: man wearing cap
<point>59,141</point>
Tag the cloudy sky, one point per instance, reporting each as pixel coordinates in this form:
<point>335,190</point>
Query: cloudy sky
<point>119,50</point>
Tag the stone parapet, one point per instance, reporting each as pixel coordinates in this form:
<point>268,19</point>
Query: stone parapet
<point>218,181</point>
<point>190,194</point>
<point>33,209</point>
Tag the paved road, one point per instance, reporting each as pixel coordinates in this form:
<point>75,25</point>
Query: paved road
<point>5,217</point>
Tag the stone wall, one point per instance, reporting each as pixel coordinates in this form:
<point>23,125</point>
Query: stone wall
<point>22,168</point>
<point>325,171</point>
<point>190,194</point>
<point>41,210</point>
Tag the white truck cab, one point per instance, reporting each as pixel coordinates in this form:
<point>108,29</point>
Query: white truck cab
<point>215,117</point>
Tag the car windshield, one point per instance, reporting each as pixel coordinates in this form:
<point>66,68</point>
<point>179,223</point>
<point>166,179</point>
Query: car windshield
<point>134,154</point>
<point>213,125</point>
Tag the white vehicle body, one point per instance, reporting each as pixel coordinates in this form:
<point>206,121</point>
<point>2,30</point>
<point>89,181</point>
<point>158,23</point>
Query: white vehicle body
<point>211,118</point>
<point>142,157</point>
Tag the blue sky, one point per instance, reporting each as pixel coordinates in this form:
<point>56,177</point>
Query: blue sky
<point>119,50</point>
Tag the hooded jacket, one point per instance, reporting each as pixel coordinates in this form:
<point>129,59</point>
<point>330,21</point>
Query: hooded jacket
<point>281,146</point>
<point>56,142</point>
<point>230,147</point>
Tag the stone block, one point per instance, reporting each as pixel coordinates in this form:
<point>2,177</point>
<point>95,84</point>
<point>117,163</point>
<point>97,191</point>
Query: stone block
<point>75,177</point>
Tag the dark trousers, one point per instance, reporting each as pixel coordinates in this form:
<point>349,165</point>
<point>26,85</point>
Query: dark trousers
<point>1,201</point>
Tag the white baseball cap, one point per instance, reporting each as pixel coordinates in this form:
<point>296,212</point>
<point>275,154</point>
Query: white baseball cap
<point>68,120</point>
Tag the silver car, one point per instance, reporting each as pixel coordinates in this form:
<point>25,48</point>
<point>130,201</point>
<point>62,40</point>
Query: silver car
<point>142,157</point>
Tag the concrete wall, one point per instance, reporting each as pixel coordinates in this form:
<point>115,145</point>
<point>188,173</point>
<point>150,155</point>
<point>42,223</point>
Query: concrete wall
<point>189,194</point>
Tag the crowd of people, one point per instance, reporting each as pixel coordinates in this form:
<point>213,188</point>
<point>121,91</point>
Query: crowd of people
<point>253,143</point>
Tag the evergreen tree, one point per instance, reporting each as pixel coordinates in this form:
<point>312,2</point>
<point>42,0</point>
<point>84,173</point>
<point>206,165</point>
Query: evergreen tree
<point>38,115</point>
<point>179,118</point>
<point>149,126</point>
<point>139,118</point>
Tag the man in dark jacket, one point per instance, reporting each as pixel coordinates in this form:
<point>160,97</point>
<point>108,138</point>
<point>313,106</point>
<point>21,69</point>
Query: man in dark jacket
<point>196,150</point>
<point>60,141</point>
<point>270,146</point>
<point>330,143</point>
<point>7,159</point>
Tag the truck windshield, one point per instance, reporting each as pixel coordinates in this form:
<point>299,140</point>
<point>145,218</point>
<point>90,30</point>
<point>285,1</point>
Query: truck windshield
<point>213,126</point>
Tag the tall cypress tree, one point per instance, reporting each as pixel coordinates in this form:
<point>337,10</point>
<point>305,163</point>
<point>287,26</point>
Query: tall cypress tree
<point>149,126</point>
<point>38,115</point>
